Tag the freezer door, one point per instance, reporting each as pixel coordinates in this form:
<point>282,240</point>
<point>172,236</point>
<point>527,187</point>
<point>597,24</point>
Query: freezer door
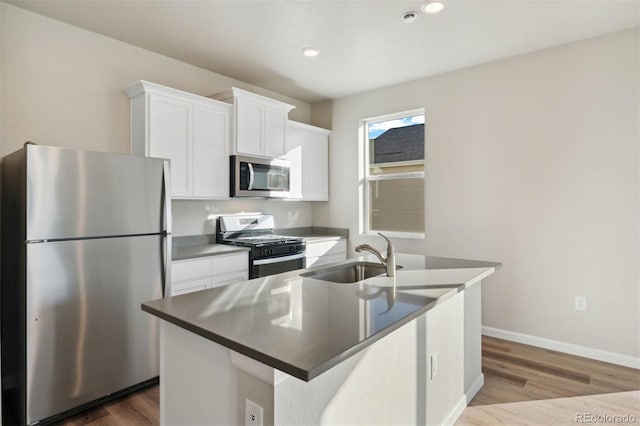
<point>86,333</point>
<point>77,194</point>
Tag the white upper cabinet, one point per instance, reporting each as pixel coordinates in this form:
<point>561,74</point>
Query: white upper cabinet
<point>307,148</point>
<point>259,123</point>
<point>210,160</point>
<point>169,129</point>
<point>249,133</point>
<point>275,127</point>
<point>192,131</point>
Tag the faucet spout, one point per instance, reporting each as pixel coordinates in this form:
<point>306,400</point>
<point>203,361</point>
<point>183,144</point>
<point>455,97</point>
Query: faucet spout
<point>389,262</point>
<point>370,249</point>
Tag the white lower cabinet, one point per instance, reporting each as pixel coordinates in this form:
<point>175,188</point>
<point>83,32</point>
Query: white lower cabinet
<point>191,275</point>
<point>323,252</point>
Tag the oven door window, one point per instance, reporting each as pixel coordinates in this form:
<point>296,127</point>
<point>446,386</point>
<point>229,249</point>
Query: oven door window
<point>264,270</point>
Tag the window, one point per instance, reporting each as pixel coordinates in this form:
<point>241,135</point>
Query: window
<point>394,174</point>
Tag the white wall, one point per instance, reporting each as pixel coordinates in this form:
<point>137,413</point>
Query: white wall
<point>198,217</point>
<point>62,86</point>
<point>532,161</point>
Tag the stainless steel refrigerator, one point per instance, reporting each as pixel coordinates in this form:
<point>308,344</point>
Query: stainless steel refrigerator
<point>85,240</point>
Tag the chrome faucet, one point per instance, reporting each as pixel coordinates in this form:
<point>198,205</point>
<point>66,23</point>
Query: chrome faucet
<point>390,262</point>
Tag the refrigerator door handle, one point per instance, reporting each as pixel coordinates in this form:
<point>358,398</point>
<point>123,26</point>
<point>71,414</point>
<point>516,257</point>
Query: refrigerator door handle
<point>166,195</point>
<point>166,246</point>
<point>166,266</point>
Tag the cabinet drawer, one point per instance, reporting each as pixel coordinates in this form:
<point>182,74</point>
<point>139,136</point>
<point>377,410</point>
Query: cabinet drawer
<point>226,279</point>
<point>230,263</point>
<point>189,269</point>
<point>325,248</point>
<point>190,286</point>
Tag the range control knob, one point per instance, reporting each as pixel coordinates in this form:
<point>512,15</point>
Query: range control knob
<point>299,247</point>
<point>269,252</point>
<point>261,252</point>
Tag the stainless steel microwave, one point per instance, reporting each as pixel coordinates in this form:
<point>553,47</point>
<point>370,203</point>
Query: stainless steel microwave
<point>259,177</point>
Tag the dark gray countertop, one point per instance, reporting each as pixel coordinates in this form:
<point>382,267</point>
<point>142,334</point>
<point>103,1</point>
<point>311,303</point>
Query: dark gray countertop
<point>204,250</point>
<point>304,326</point>
<point>193,246</point>
<point>316,232</point>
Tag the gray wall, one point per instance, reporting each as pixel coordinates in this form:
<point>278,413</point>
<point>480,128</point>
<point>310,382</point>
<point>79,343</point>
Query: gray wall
<point>532,161</point>
<point>62,86</point>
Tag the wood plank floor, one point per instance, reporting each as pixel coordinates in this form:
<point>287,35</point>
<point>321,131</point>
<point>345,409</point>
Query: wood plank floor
<point>514,373</point>
<point>590,409</point>
<point>137,409</point>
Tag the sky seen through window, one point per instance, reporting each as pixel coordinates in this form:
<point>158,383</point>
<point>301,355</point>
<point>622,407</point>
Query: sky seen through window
<point>376,129</point>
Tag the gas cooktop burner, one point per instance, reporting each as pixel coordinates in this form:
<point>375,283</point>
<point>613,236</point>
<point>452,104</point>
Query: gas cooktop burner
<point>268,253</point>
<point>261,240</point>
<point>266,237</point>
<point>252,231</point>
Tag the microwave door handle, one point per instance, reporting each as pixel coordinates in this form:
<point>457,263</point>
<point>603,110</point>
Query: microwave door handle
<point>251,176</point>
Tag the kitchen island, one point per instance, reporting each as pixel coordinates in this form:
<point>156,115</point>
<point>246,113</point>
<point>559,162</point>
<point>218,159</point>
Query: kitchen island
<point>403,350</point>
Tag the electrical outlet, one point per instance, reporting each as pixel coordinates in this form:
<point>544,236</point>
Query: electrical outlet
<point>434,365</point>
<point>289,215</point>
<point>581,303</point>
<point>252,413</point>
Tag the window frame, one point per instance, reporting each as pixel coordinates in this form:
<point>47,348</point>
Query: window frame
<point>366,178</point>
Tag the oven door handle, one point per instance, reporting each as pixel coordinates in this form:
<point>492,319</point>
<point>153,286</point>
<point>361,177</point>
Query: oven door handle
<point>279,259</point>
<point>251,176</point>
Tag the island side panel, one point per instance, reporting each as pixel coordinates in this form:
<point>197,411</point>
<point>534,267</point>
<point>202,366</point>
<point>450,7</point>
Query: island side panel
<point>257,391</point>
<point>445,361</point>
<point>198,383</point>
<point>379,385</point>
<point>473,377</point>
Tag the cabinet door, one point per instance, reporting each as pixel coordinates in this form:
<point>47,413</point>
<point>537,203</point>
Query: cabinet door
<point>315,167</point>
<point>210,161</point>
<point>248,127</point>
<point>275,123</point>
<point>169,127</point>
<point>294,142</point>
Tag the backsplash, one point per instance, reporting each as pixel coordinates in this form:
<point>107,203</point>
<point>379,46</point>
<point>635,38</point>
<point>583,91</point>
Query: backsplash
<point>194,217</point>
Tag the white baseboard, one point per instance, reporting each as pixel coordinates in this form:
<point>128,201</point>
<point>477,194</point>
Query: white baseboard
<point>474,388</point>
<point>455,412</point>
<point>464,400</point>
<point>569,348</point>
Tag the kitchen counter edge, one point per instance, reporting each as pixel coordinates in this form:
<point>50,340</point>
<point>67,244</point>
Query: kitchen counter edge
<point>205,250</point>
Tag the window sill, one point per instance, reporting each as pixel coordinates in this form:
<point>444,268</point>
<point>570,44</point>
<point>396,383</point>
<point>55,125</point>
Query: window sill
<point>392,234</point>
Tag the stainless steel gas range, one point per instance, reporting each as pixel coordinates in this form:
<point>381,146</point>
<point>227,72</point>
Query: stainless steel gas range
<point>270,253</point>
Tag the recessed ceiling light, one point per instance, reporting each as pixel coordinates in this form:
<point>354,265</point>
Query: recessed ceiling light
<point>409,17</point>
<point>432,6</point>
<point>310,51</point>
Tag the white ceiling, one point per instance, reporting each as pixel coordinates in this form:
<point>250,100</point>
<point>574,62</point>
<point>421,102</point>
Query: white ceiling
<point>365,44</point>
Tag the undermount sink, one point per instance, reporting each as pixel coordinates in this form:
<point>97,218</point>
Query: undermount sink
<point>349,273</point>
